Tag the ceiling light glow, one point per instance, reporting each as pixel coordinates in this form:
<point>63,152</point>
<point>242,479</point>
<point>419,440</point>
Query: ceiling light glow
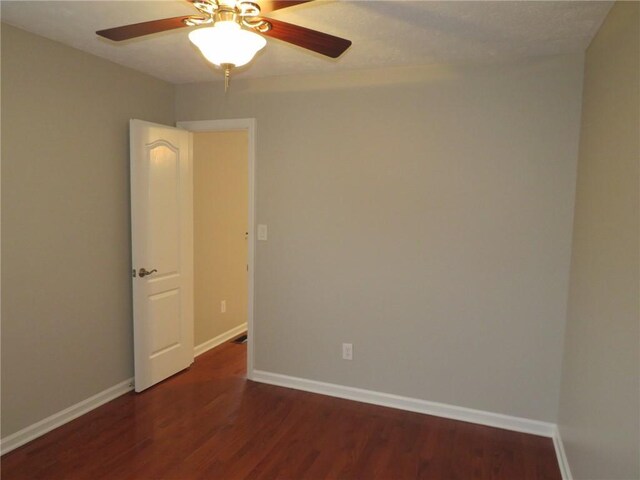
<point>226,43</point>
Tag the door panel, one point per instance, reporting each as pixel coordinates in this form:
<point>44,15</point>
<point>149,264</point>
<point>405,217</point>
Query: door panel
<point>164,208</point>
<point>162,242</point>
<point>164,330</point>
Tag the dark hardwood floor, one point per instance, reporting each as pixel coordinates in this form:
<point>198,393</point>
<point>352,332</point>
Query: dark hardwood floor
<point>211,423</point>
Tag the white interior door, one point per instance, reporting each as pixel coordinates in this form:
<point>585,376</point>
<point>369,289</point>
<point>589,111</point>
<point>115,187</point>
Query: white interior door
<point>162,244</point>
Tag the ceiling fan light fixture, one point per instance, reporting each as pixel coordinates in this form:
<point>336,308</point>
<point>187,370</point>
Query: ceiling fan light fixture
<point>226,43</point>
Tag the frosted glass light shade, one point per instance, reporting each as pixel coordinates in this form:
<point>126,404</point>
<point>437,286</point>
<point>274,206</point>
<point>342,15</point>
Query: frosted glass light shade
<point>226,42</point>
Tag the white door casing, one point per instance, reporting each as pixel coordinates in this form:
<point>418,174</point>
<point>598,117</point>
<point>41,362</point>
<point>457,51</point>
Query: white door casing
<point>250,125</point>
<point>162,240</point>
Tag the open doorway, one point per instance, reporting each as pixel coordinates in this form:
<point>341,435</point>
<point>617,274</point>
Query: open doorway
<point>224,231</point>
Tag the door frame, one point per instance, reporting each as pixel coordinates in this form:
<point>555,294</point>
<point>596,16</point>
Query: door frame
<point>248,125</point>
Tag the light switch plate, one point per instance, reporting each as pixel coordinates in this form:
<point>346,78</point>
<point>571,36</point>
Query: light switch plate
<point>262,232</point>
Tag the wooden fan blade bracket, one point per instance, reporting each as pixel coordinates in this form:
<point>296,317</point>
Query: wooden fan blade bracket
<point>264,6</point>
<point>196,20</point>
<point>248,9</point>
<point>218,10</point>
<point>259,25</point>
<point>244,12</point>
<point>206,7</point>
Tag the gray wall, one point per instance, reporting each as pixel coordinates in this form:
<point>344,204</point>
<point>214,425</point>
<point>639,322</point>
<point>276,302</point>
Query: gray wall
<point>423,214</point>
<point>66,301</point>
<point>599,419</point>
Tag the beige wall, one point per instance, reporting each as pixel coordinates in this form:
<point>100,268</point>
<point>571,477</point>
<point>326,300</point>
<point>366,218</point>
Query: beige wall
<point>220,202</point>
<point>66,301</point>
<point>599,408</point>
<point>423,214</point>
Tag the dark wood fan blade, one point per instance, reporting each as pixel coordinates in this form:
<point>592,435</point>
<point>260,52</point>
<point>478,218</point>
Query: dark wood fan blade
<point>145,28</point>
<point>267,6</point>
<point>306,38</point>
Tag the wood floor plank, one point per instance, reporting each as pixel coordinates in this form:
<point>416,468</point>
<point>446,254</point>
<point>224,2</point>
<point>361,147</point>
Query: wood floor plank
<point>210,423</point>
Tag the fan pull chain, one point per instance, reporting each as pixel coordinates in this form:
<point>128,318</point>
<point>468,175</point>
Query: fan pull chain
<point>227,76</point>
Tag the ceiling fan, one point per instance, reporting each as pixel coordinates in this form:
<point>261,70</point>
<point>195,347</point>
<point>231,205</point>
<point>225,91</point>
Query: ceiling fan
<point>232,31</point>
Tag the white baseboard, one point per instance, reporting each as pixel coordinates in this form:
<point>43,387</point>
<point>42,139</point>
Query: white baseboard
<point>480,417</point>
<point>38,429</point>
<point>220,339</point>
<point>562,456</point>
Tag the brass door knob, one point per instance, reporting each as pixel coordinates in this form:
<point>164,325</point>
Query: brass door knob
<point>143,273</point>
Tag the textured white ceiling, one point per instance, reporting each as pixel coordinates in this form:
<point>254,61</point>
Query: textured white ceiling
<point>384,33</point>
